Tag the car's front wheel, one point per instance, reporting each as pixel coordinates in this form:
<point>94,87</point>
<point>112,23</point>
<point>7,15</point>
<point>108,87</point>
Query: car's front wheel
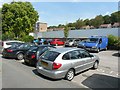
<point>20,56</point>
<point>70,75</point>
<point>95,66</point>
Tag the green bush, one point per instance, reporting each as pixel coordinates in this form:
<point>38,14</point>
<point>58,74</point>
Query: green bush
<point>26,38</point>
<point>8,36</point>
<point>113,41</point>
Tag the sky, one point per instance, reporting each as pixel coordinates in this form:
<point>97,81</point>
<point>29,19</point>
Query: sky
<point>55,12</point>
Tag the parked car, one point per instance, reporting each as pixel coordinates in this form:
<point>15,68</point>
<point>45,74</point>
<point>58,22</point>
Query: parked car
<point>57,42</point>
<point>7,44</point>
<point>17,52</point>
<point>94,43</point>
<point>72,42</point>
<point>32,55</point>
<point>66,62</point>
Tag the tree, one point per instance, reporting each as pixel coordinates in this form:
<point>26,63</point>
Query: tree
<point>98,21</point>
<point>79,24</point>
<point>18,17</point>
<point>107,19</point>
<point>66,31</point>
<point>115,17</point>
<point>0,19</point>
<point>87,22</point>
<point>61,26</point>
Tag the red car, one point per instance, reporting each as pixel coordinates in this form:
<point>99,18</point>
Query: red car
<point>57,42</point>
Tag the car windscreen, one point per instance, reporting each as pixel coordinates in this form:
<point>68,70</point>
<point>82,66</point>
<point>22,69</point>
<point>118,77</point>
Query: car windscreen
<point>91,40</point>
<point>50,55</point>
<point>70,40</point>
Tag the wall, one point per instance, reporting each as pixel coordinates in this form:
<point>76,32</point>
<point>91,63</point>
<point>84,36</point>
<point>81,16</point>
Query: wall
<point>80,33</point>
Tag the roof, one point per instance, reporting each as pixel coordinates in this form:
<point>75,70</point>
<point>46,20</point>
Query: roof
<point>116,24</point>
<point>105,25</point>
<point>12,41</point>
<point>62,50</point>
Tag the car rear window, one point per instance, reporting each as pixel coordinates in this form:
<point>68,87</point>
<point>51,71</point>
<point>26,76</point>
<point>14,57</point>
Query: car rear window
<point>16,45</point>
<point>50,55</point>
<point>33,49</point>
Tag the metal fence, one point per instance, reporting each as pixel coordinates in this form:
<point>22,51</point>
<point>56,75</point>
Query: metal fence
<point>80,33</point>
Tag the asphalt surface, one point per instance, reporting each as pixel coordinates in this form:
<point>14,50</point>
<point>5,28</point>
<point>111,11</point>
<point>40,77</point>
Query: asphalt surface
<point>106,76</point>
<point>15,74</point>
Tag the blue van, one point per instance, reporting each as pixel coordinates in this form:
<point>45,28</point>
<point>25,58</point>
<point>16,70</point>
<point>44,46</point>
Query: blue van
<point>94,43</point>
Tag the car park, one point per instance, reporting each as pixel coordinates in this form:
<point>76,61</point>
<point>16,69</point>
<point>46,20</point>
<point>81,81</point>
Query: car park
<point>72,42</point>
<point>57,42</point>
<point>32,55</point>
<point>7,44</point>
<point>65,62</point>
<point>16,51</point>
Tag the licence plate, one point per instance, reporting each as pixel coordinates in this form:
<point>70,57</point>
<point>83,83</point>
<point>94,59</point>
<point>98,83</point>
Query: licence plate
<point>44,63</point>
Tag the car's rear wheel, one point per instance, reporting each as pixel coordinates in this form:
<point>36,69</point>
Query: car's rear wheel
<point>56,44</point>
<point>70,75</point>
<point>106,49</point>
<point>95,66</point>
<point>20,56</point>
<point>25,62</point>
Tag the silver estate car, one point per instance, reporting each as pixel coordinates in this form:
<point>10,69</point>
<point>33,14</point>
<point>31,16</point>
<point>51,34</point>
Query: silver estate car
<point>65,62</point>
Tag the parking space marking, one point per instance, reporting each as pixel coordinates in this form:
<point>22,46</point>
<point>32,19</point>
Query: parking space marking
<point>111,72</point>
<point>79,83</point>
<point>21,60</point>
<point>103,71</point>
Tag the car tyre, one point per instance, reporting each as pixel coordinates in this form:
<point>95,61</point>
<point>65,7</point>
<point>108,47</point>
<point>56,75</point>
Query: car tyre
<point>56,44</point>
<point>70,75</point>
<point>20,56</point>
<point>95,66</point>
<point>106,49</point>
<point>25,62</point>
<point>98,50</point>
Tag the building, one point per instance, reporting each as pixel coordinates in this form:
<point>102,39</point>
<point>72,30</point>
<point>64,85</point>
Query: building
<point>41,27</point>
<point>116,25</point>
<point>105,26</point>
<point>87,27</point>
<point>58,29</point>
<point>55,29</point>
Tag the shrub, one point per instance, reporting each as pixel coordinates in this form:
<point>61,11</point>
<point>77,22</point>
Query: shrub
<point>8,36</point>
<point>113,41</point>
<point>27,38</point>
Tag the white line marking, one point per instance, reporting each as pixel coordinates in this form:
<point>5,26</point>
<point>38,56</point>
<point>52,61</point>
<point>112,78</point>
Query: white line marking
<point>111,72</point>
<point>103,71</point>
<point>21,61</point>
<point>98,70</point>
